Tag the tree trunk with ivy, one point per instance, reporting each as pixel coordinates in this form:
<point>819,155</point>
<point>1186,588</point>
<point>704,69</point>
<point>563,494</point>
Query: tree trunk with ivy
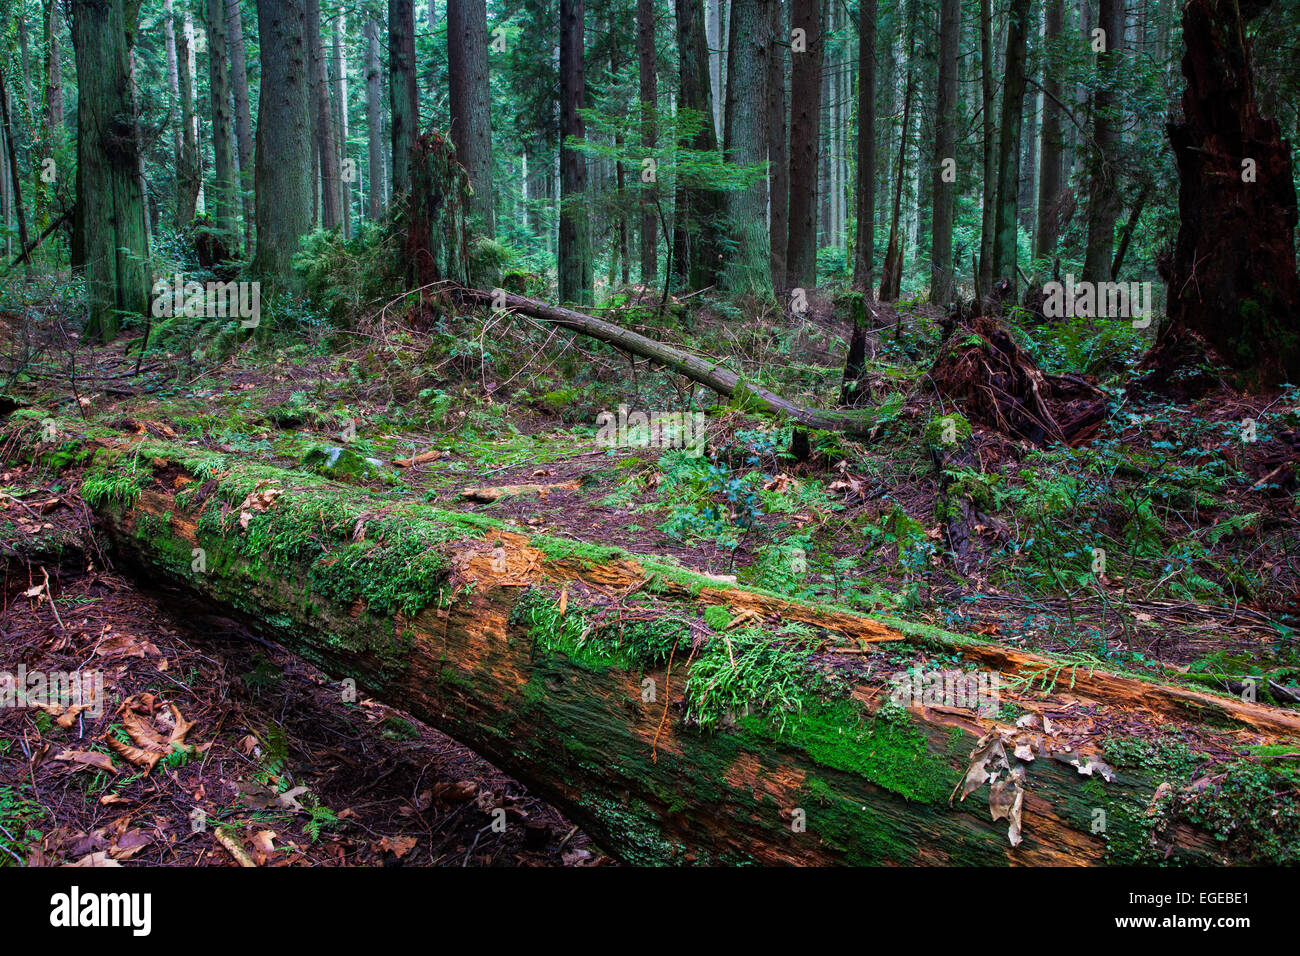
<point>437,248</point>
<point>616,687</point>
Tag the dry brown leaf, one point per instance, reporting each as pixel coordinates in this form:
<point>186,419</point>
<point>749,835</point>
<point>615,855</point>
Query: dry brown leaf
<point>88,758</point>
<point>398,846</point>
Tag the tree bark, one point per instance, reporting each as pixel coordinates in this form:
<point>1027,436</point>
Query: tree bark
<point>696,251</point>
<point>1050,151</point>
<point>189,166</point>
<point>778,144</point>
<point>988,214</point>
<point>805,135</point>
<point>574,249</point>
<point>403,96</point>
<point>648,94</point>
<point>284,144</point>
<point>223,135</point>
<point>109,234</point>
<point>864,245</point>
<point>943,188</point>
<point>484,646</point>
<point>243,115</point>
<point>1006,225</point>
<point>1103,177</point>
<point>323,122</point>
<point>1232,278</point>
<point>340,78</point>
<point>471,115</point>
<point>374,121</point>
<point>748,268</point>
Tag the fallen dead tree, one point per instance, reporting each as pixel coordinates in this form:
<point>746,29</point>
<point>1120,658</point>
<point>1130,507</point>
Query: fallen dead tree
<point>700,370</point>
<point>579,669</point>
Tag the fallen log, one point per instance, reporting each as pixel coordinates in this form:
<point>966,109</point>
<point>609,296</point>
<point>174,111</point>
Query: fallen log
<point>701,370</point>
<point>590,675</point>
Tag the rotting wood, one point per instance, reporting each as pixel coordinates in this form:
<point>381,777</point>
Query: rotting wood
<point>645,785</point>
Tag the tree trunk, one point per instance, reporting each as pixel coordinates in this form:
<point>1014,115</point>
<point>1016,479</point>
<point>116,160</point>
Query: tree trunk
<point>53,70</point>
<point>511,645</point>
<point>864,245</point>
<point>243,115</point>
<point>988,215</point>
<point>12,157</point>
<point>778,145</point>
<point>892,275</point>
<point>340,75</point>
<point>1006,225</point>
<point>1232,278</point>
<point>1049,157</point>
<point>805,135</point>
<point>403,97</point>
<point>748,268</point>
<point>374,121</point>
<point>223,134</point>
<point>696,251</point>
<point>943,185</point>
<point>109,237</point>
<point>327,155</point>
<point>189,168</point>
<point>284,145</point>
<point>1103,178</point>
<point>574,251</point>
<point>648,83</point>
<point>437,246</point>
<point>471,115</point>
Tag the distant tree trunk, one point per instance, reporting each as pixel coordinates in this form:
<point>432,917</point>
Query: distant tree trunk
<point>1006,228</point>
<point>374,120</point>
<point>778,148</point>
<point>892,275</point>
<point>989,213</point>
<point>174,106</point>
<point>696,234</point>
<point>471,115</point>
<point>574,250</point>
<point>341,115</point>
<point>327,155</point>
<point>649,99</point>
<point>25,62</point>
<point>53,69</point>
<point>12,162</point>
<point>189,173</point>
<point>1049,160</point>
<point>284,145</point>
<point>223,147</point>
<point>864,245</point>
<point>807,51</point>
<point>1232,278</point>
<point>1103,178</point>
<point>748,268</point>
<point>403,97</point>
<point>243,114</point>
<point>942,186</point>
<point>109,233</point>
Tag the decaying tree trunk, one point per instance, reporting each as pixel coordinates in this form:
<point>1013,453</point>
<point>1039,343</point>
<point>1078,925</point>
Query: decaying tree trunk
<point>436,244</point>
<point>528,650</point>
<point>1232,278</point>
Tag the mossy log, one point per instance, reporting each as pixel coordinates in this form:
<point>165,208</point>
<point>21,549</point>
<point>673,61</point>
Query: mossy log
<point>540,652</point>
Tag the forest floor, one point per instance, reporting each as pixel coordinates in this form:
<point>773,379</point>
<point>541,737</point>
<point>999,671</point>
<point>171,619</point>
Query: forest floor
<point>1200,583</point>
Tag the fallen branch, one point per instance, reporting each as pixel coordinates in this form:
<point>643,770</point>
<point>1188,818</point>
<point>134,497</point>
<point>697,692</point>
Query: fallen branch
<point>703,371</point>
